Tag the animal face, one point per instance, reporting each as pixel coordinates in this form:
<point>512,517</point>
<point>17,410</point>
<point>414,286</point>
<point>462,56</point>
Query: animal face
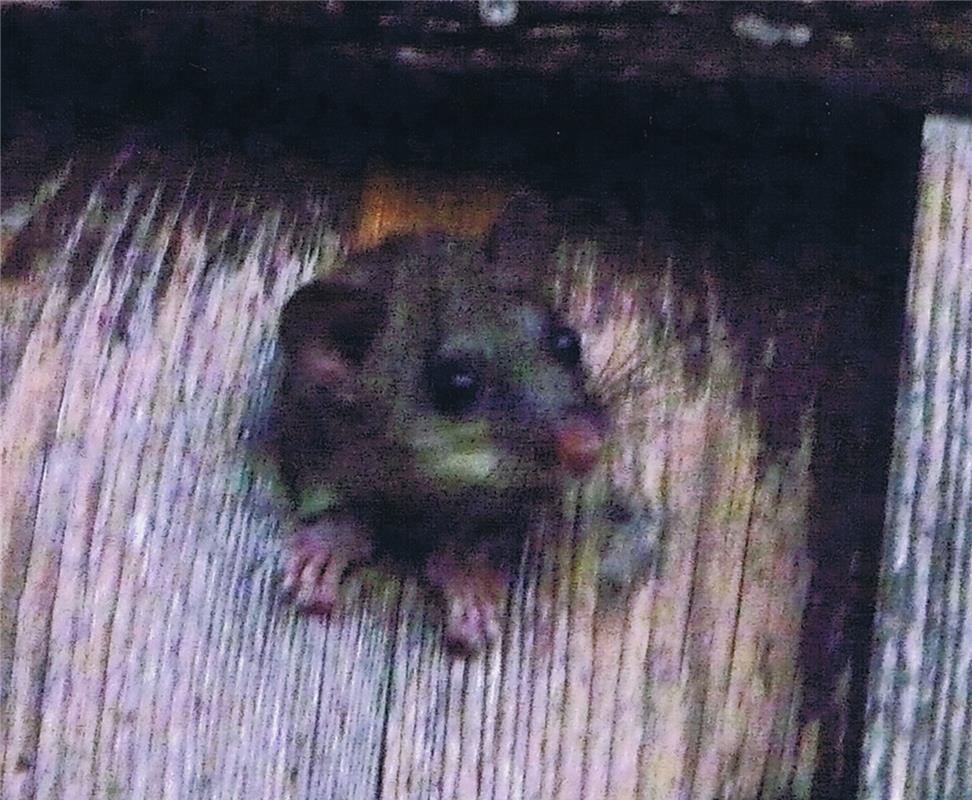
<point>422,357</point>
<point>501,402</point>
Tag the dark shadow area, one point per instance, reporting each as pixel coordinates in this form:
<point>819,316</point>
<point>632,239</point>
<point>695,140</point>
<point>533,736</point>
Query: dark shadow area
<point>799,202</point>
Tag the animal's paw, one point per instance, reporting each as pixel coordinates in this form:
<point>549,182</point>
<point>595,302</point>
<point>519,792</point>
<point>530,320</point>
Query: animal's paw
<point>319,556</point>
<point>630,547</point>
<point>473,592</point>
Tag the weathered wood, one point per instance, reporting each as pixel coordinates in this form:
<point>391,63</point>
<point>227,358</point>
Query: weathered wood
<point>919,716</point>
<point>144,648</point>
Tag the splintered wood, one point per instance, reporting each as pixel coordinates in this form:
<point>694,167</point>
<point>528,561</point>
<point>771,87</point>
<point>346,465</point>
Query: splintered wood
<point>146,651</point>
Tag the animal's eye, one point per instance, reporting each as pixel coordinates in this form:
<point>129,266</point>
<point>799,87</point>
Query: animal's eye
<point>453,384</point>
<point>565,344</point>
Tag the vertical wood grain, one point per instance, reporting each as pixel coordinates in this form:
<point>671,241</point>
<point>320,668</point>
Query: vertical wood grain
<point>145,649</point>
<point>920,697</point>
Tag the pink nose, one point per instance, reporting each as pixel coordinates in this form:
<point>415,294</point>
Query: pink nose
<point>579,444</point>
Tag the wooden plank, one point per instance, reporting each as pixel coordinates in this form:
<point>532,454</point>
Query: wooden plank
<point>145,650</point>
<point>142,652</point>
<point>920,697</point>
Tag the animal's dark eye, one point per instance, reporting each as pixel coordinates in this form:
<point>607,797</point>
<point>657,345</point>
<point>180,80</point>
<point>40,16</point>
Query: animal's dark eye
<point>453,384</point>
<point>565,344</point>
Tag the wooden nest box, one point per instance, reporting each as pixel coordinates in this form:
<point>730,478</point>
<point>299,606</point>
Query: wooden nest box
<point>766,240</point>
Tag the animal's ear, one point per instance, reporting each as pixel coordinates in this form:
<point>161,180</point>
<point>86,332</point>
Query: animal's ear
<point>327,329</point>
<point>521,243</point>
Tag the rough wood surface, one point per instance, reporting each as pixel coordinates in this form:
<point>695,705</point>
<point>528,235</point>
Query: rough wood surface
<point>919,713</point>
<point>145,651</point>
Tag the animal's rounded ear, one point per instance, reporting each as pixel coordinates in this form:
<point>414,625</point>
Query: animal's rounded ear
<point>333,315</point>
<point>521,243</point>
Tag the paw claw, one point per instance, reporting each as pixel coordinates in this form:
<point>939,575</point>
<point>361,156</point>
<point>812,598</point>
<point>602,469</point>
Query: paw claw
<point>472,594</point>
<point>319,557</point>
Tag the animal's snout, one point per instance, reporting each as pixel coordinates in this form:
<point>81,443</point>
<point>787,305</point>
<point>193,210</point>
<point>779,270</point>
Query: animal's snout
<point>579,440</point>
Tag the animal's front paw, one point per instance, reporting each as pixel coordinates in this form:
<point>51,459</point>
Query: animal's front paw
<point>630,547</point>
<point>473,592</point>
<point>319,556</point>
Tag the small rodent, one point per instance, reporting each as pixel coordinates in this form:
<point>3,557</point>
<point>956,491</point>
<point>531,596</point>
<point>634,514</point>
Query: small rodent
<point>433,426</point>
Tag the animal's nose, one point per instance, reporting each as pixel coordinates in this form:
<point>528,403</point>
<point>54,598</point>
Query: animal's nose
<point>578,440</point>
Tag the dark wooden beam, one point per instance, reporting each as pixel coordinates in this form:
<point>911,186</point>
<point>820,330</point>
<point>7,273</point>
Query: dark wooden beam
<point>914,54</point>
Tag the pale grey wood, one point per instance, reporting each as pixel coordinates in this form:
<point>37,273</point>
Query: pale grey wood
<point>149,657</point>
<point>920,698</point>
<point>146,652</point>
